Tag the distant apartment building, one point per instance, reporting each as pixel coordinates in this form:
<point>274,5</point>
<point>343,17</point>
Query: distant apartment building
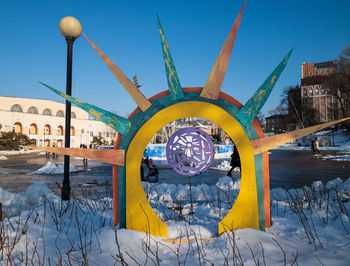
<point>276,123</point>
<point>44,121</point>
<point>313,92</point>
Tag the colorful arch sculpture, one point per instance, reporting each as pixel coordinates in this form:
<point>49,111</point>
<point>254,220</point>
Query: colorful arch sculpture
<point>131,208</point>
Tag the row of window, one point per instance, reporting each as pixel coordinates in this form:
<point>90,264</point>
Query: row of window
<point>317,90</point>
<point>33,130</point>
<point>34,110</point>
<point>323,106</point>
<point>323,99</point>
<point>317,72</point>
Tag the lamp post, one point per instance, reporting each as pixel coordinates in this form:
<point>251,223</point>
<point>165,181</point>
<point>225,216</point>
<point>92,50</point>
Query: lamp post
<point>71,29</point>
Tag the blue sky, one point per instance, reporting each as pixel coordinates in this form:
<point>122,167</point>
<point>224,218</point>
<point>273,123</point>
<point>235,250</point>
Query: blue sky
<point>32,49</point>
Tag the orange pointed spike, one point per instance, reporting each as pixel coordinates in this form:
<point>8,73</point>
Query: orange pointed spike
<point>112,156</point>
<point>268,143</point>
<point>213,85</point>
<point>133,91</point>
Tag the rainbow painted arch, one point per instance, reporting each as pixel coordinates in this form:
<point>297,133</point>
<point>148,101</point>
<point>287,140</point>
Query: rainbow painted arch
<point>131,207</point>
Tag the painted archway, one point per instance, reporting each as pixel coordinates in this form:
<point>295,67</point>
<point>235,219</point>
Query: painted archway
<point>138,212</point>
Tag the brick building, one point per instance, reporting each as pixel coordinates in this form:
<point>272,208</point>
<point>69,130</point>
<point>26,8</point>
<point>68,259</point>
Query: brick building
<point>314,93</point>
<point>276,123</point>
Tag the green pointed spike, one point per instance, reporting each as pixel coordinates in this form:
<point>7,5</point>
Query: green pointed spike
<point>249,111</point>
<point>175,89</point>
<point>117,122</point>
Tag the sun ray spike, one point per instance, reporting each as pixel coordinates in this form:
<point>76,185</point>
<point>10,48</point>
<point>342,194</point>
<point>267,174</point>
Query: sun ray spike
<point>268,143</point>
<point>140,99</point>
<point>213,85</point>
<point>252,107</point>
<point>113,156</point>
<point>116,122</point>
<point>175,89</point>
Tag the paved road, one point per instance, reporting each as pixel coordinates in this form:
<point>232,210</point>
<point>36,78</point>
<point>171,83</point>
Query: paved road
<point>287,168</point>
<point>299,168</point>
<point>15,173</point>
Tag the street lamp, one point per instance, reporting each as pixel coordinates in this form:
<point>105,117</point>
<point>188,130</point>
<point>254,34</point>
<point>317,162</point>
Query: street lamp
<point>71,29</point>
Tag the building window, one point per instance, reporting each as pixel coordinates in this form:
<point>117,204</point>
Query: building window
<point>33,110</point>
<point>33,129</point>
<point>91,133</point>
<point>47,111</point>
<point>310,91</point>
<point>72,131</point>
<point>73,115</point>
<point>60,113</point>
<point>99,134</point>
<point>317,106</point>
<point>329,105</point>
<point>17,127</point>
<point>323,106</point>
<point>317,99</point>
<point>329,99</point>
<point>315,72</point>
<point>322,99</point>
<point>316,91</point>
<point>322,92</point>
<point>107,134</point>
<point>47,130</point>
<point>60,130</point>
<point>323,111</point>
<point>16,108</point>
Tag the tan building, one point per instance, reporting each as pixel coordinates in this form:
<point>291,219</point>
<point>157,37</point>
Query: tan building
<point>313,91</point>
<point>44,122</point>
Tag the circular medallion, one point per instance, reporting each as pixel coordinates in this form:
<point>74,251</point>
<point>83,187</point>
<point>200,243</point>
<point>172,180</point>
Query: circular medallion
<point>190,151</point>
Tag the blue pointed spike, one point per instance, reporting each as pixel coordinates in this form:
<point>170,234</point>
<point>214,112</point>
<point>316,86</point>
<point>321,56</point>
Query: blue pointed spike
<point>117,122</point>
<point>175,89</point>
<point>249,111</point>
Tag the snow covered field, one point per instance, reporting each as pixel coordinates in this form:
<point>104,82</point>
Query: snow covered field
<point>55,168</point>
<point>341,138</point>
<point>24,151</point>
<point>310,226</point>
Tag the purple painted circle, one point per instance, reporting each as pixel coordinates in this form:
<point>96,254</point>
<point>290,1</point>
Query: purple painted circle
<point>190,151</point>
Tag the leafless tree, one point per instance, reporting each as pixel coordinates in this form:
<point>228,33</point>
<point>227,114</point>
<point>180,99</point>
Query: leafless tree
<point>338,84</point>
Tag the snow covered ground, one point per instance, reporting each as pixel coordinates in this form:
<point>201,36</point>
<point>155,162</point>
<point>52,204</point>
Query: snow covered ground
<point>310,226</point>
<point>342,143</point>
<point>55,168</point>
<point>342,140</point>
<point>225,166</point>
<point>23,151</point>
